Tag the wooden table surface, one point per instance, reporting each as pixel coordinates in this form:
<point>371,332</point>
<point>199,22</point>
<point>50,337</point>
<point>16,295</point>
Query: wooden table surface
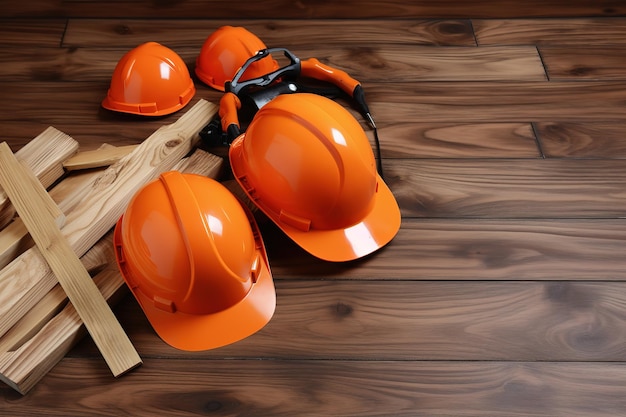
<point>503,135</point>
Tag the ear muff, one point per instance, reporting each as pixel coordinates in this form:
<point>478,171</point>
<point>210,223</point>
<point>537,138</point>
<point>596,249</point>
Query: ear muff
<point>259,91</point>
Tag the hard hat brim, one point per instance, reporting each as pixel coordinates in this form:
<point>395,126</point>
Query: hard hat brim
<point>197,332</point>
<point>361,239</point>
<point>149,109</point>
<point>373,232</point>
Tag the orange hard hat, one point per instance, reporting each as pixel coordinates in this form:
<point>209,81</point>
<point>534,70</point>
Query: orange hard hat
<point>193,258</point>
<point>149,80</point>
<point>225,51</point>
<point>307,164</point>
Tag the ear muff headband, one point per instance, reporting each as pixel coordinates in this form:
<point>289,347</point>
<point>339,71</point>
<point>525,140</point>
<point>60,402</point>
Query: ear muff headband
<point>283,81</point>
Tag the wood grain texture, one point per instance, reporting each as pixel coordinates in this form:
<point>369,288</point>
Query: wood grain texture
<point>24,367</point>
<point>362,61</point>
<point>77,112</point>
<point>314,10</point>
<point>582,140</point>
<point>26,32</point>
<point>502,134</point>
<point>100,208</point>
<point>474,249</point>
<point>43,156</point>
<point>31,340</point>
<point>290,33</point>
<point>102,157</point>
<point>422,320</point>
<point>587,63</point>
<point>74,108</point>
<point>33,203</point>
<point>583,32</point>
<point>427,63</point>
<point>475,102</point>
<point>509,188</point>
<point>457,140</point>
<point>347,388</point>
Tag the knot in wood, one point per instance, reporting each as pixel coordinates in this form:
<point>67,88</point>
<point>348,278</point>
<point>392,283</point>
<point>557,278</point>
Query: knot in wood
<point>172,143</point>
<point>342,310</point>
<point>122,30</point>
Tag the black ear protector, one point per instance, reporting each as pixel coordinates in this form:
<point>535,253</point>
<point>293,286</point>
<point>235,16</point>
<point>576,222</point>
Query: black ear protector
<point>250,95</point>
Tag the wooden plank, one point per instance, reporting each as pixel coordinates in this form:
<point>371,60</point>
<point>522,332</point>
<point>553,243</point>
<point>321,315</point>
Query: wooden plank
<point>43,156</point>
<point>582,140</point>
<point>28,345</point>
<point>15,240</point>
<point>292,33</point>
<point>367,63</point>
<point>61,64</point>
<point>429,63</point>
<point>22,369</point>
<point>423,320</point>
<point>28,32</point>
<point>585,63</point>
<point>78,111</point>
<point>66,193</point>
<point>201,163</point>
<point>283,9</point>
<point>456,140</point>
<point>30,203</point>
<point>104,156</point>
<point>550,188</point>
<point>363,388</point>
<point>19,173</point>
<point>580,32</point>
<point>473,249</point>
<point>99,257</point>
<point>100,209</point>
<point>490,102</point>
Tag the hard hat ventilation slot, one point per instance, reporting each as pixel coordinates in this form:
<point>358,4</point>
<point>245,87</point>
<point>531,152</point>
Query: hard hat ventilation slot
<point>243,180</point>
<point>163,304</point>
<point>294,220</point>
<point>255,270</point>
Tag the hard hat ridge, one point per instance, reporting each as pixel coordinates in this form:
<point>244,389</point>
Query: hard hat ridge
<point>194,259</point>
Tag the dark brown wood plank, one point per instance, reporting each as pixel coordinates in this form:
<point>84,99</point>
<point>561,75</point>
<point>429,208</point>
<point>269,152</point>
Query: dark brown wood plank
<point>477,102</point>
<point>292,33</point>
<point>421,320</point>
<point>503,292</point>
<point>457,140</point>
<point>548,189</point>
<point>65,64</point>
<point>74,107</point>
<point>582,63</point>
<point>579,32</point>
<point>42,32</point>
<point>473,249</point>
<point>419,64</point>
<point>582,140</point>
<point>380,64</point>
<point>314,388</point>
<point>340,10</point>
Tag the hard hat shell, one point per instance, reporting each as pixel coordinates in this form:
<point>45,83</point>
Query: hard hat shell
<point>307,164</point>
<point>225,51</point>
<point>149,80</point>
<point>193,258</point>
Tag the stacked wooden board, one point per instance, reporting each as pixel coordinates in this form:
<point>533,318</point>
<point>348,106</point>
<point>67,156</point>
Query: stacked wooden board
<point>38,326</point>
